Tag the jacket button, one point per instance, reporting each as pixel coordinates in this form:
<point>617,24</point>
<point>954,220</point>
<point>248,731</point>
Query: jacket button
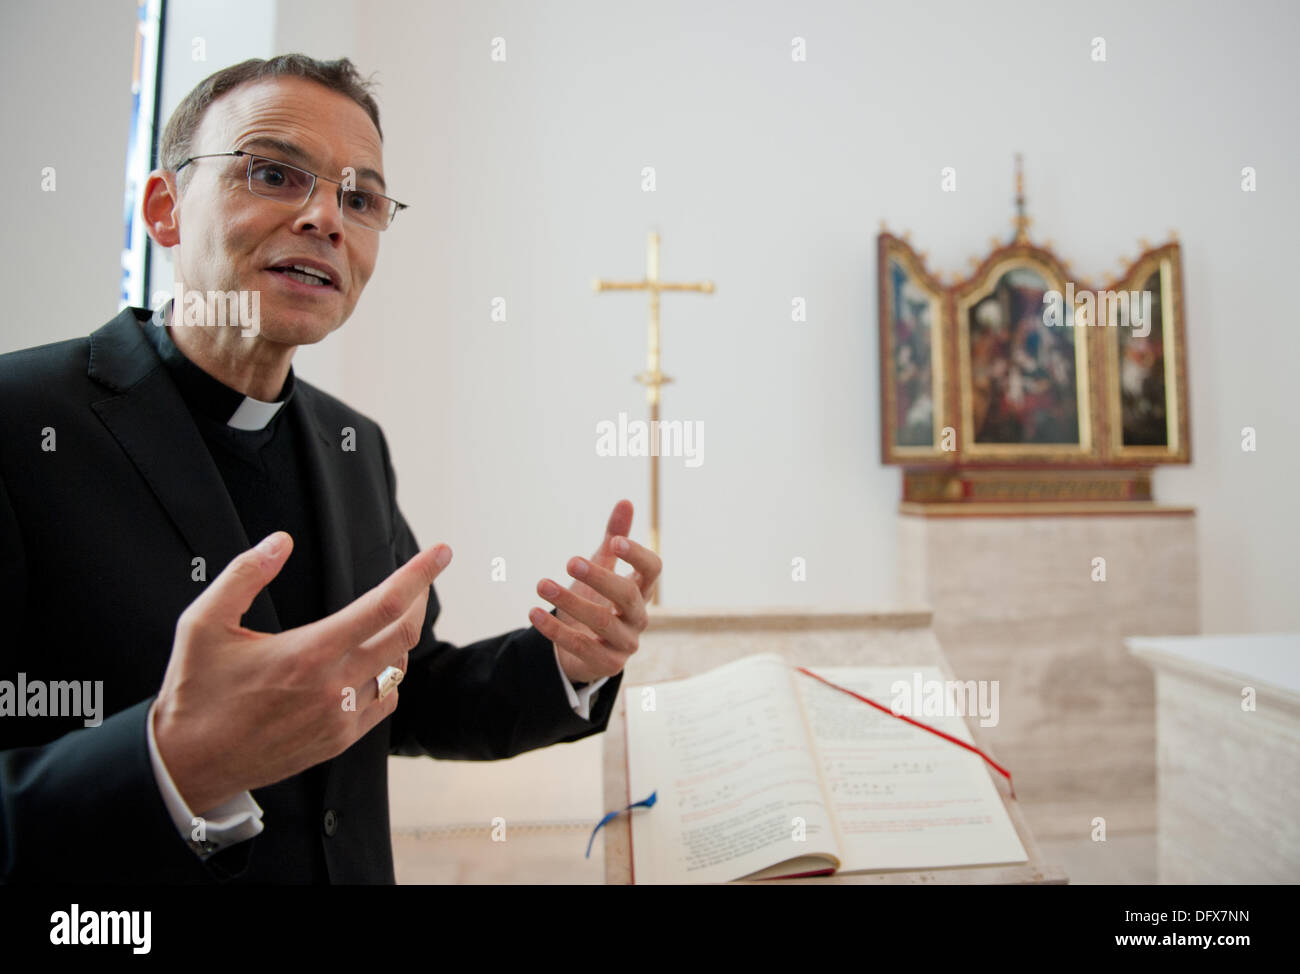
<point>331,821</point>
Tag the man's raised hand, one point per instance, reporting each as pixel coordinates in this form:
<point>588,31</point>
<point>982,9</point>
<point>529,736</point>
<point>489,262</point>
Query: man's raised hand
<point>240,709</point>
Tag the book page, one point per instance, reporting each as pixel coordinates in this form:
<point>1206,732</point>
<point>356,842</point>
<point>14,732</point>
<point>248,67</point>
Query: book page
<point>902,798</point>
<point>737,784</point>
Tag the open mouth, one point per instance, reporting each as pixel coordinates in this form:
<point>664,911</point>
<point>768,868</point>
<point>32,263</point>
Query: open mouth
<point>310,276</point>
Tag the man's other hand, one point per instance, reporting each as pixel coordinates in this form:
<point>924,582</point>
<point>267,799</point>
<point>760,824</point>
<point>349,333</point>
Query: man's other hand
<point>601,616</point>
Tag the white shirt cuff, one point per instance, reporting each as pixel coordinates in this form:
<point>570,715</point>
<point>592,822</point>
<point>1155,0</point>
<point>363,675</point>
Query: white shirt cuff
<point>579,700</point>
<point>230,822</point>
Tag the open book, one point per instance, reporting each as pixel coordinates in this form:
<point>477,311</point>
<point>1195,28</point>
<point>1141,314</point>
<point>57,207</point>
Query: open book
<point>763,772</point>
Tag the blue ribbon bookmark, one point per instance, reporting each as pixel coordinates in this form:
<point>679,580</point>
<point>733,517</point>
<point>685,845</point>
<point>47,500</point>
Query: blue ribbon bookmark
<point>609,816</point>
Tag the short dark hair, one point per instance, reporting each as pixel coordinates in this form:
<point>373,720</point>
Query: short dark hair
<point>341,75</point>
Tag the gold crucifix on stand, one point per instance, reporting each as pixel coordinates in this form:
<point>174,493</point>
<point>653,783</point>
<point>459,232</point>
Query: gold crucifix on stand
<point>652,378</point>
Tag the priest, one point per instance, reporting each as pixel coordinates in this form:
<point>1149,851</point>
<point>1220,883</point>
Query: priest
<point>218,543</point>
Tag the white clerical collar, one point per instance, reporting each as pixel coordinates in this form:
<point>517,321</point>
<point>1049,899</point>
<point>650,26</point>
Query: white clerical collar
<point>208,394</point>
<point>253,414</point>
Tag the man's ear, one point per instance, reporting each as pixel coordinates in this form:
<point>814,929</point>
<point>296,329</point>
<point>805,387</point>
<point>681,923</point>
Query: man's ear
<point>161,209</point>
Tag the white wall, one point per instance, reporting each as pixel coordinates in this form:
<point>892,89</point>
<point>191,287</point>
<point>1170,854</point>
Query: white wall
<point>65,102</point>
<point>524,180</point>
<point>772,178</point>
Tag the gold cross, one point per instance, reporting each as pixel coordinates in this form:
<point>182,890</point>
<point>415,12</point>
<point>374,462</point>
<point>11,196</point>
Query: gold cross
<point>652,378</point>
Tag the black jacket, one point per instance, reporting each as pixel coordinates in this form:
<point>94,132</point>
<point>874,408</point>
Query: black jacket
<point>97,538</point>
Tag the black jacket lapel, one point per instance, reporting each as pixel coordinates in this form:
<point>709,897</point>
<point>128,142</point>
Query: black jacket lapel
<point>149,419</point>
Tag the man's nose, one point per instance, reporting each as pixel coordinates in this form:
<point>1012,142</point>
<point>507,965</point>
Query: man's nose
<point>323,210</point>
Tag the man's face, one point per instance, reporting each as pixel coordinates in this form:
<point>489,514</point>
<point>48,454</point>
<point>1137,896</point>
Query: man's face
<point>228,238</point>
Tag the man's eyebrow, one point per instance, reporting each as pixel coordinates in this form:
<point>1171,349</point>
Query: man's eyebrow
<point>299,155</point>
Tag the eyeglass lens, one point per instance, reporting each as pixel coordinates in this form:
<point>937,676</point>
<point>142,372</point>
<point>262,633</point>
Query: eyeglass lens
<point>287,184</point>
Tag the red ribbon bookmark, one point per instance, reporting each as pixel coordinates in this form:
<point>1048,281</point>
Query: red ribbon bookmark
<point>933,730</point>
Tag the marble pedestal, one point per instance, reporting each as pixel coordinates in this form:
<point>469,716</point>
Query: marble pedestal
<point>1014,600</point>
<point>1229,775</point>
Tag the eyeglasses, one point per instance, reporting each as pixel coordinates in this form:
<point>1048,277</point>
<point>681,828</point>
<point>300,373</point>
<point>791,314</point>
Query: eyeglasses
<point>274,180</point>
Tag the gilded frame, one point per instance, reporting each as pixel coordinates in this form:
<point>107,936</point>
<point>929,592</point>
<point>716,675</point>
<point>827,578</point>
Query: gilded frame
<point>967,294</point>
<point>1166,262</point>
<point>891,251</point>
